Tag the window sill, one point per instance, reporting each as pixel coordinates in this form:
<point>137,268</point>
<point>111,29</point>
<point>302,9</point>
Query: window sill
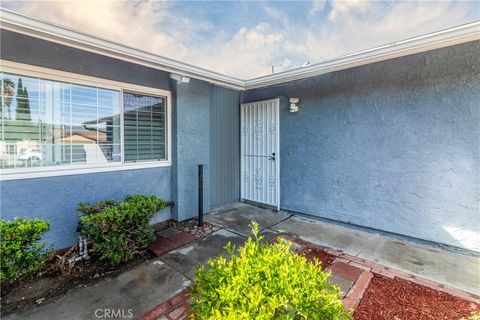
<point>45,172</point>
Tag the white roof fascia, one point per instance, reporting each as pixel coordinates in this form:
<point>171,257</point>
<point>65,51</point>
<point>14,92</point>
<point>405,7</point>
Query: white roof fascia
<point>435,40</point>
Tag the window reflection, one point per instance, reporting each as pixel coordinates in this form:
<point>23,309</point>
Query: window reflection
<point>48,123</point>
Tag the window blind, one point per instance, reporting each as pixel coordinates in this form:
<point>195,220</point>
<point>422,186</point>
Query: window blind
<point>144,127</point>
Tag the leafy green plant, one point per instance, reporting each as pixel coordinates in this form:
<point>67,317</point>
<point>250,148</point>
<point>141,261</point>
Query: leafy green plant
<point>264,281</point>
<point>97,207</point>
<point>21,252</point>
<point>473,316</point>
<point>119,230</point>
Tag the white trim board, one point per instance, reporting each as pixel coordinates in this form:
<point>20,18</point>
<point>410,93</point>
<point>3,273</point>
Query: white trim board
<point>79,169</point>
<point>64,76</point>
<point>20,23</point>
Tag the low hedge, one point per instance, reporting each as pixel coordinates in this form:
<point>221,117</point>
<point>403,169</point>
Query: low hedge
<point>264,281</point>
<point>119,230</point>
<point>21,252</point>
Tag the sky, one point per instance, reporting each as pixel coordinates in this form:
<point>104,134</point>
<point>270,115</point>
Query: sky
<point>245,38</point>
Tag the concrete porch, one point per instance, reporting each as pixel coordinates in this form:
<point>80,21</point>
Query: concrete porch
<point>454,270</point>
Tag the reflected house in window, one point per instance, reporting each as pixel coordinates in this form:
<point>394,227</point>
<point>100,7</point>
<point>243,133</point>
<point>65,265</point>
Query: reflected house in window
<point>96,139</point>
<point>86,142</point>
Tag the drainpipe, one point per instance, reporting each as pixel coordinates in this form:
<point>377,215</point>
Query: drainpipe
<point>200,195</point>
<point>82,250</point>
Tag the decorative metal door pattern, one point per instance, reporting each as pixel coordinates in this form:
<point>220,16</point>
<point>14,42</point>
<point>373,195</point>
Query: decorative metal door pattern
<point>260,157</point>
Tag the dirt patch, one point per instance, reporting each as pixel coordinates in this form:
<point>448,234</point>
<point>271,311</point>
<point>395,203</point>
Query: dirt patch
<point>48,284</point>
<point>398,299</point>
<point>311,253</point>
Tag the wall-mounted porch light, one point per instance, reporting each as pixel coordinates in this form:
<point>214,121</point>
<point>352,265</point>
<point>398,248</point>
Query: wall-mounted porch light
<point>293,105</point>
<point>179,78</point>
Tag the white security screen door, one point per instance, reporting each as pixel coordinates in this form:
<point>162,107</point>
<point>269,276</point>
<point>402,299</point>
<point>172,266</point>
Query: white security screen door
<point>260,152</point>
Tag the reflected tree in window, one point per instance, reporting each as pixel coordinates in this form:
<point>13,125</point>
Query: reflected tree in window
<point>8,90</point>
<point>23,103</point>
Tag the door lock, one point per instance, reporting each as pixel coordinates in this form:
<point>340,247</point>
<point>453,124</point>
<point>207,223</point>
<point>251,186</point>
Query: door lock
<point>273,157</point>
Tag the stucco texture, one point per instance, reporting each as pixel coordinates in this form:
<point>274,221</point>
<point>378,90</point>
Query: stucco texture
<point>55,199</point>
<point>191,140</point>
<point>393,146</point>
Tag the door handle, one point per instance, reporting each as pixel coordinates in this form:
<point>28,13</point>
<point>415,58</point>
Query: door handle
<point>273,157</point>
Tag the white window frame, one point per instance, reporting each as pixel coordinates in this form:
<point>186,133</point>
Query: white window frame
<point>72,169</point>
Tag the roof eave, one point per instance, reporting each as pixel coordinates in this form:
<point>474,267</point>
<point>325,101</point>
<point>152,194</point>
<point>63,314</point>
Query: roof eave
<point>457,35</point>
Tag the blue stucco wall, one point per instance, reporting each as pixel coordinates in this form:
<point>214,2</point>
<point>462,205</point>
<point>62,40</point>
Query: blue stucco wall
<point>56,198</point>
<point>191,140</point>
<point>393,145</point>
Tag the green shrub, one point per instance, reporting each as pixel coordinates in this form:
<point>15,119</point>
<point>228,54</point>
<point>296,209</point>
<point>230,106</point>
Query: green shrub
<point>97,207</point>
<point>264,281</point>
<point>473,316</point>
<point>118,230</point>
<point>21,252</point>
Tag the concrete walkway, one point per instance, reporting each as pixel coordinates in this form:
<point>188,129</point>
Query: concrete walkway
<point>127,296</point>
<point>453,270</point>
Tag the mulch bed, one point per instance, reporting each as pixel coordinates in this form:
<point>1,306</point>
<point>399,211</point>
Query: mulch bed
<point>311,253</point>
<point>398,299</point>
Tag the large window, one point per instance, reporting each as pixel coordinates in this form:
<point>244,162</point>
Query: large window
<point>47,123</point>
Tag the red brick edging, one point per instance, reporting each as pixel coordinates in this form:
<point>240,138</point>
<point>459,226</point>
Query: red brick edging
<point>175,308</point>
<point>356,292</point>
